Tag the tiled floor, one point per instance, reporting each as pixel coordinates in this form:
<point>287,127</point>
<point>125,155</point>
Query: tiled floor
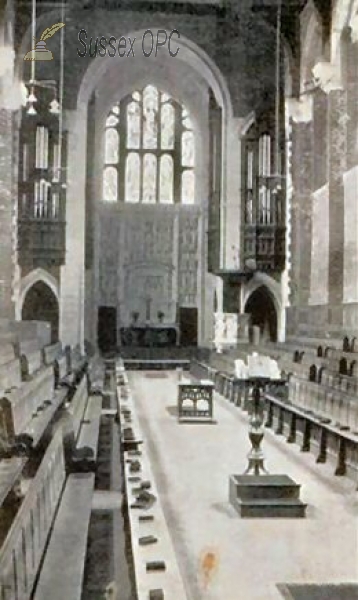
<point>224,557</point>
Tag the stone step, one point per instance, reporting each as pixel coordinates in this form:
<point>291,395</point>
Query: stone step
<point>263,487</point>
<point>284,508</point>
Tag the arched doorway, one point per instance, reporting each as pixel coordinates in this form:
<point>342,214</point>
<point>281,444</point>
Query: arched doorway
<point>261,307</point>
<point>41,304</point>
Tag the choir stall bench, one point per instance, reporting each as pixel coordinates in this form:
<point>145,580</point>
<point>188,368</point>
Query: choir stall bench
<point>196,401</point>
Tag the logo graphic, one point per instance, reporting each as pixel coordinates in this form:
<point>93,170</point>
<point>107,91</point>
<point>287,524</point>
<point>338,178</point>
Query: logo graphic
<point>40,51</point>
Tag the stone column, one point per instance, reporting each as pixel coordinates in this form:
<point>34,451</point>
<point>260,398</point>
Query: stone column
<point>301,209</point>
<point>73,272</point>
<point>232,203</point>
<point>330,82</point>
<point>351,237</point>
<point>352,104</point>
<point>337,153</point>
<point>175,261</point>
<point>301,175</point>
<point>8,198</point>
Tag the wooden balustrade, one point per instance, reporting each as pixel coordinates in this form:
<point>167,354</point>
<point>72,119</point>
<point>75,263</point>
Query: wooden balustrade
<point>22,551</point>
<point>328,435</point>
<point>319,413</point>
<point>296,357</point>
<point>325,402</point>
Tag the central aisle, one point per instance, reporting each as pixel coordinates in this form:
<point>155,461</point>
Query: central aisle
<point>224,557</point>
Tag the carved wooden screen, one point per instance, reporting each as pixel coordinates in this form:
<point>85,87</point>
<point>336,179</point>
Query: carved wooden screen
<point>263,194</point>
<point>41,187</point>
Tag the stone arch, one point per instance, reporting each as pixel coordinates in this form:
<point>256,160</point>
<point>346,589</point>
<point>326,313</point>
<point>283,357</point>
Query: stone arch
<point>191,53</point>
<point>104,70</point>
<point>261,306</point>
<point>31,279</point>
<point>40,303</point>
<point>261,279</point>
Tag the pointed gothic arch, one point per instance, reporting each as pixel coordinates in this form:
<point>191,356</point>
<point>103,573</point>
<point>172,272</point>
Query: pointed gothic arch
<point>41,304</point>
<point>261,306</point>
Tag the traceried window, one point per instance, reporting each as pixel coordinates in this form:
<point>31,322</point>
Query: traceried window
<point>149,150</point>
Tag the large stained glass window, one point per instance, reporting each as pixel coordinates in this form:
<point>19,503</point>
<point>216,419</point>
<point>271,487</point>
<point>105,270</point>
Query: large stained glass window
<point>149,150</point>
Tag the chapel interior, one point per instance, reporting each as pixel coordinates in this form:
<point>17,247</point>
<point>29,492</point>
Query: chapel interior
<point>178,299</point>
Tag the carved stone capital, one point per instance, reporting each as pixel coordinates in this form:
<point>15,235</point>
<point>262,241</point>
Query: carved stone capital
<point>327,77</point>
<point>301,110</point>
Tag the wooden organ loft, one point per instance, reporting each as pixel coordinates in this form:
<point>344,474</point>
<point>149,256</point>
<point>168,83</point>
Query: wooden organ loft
<point>263,197</point>
<point>41,185</point>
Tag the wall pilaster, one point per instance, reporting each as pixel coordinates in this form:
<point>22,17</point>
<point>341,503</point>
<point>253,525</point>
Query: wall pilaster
<point>73,272</point>
<point>329,78</point>
<point>337,159</point>
<point>8,199</point>
<point>301,206</point>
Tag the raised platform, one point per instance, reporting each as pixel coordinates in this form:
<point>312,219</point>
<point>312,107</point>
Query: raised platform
<point>266,496</point>
<point>341,591</point>
<point>143,364</point>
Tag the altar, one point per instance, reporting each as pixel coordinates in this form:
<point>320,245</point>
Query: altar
<point>152,335</point>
